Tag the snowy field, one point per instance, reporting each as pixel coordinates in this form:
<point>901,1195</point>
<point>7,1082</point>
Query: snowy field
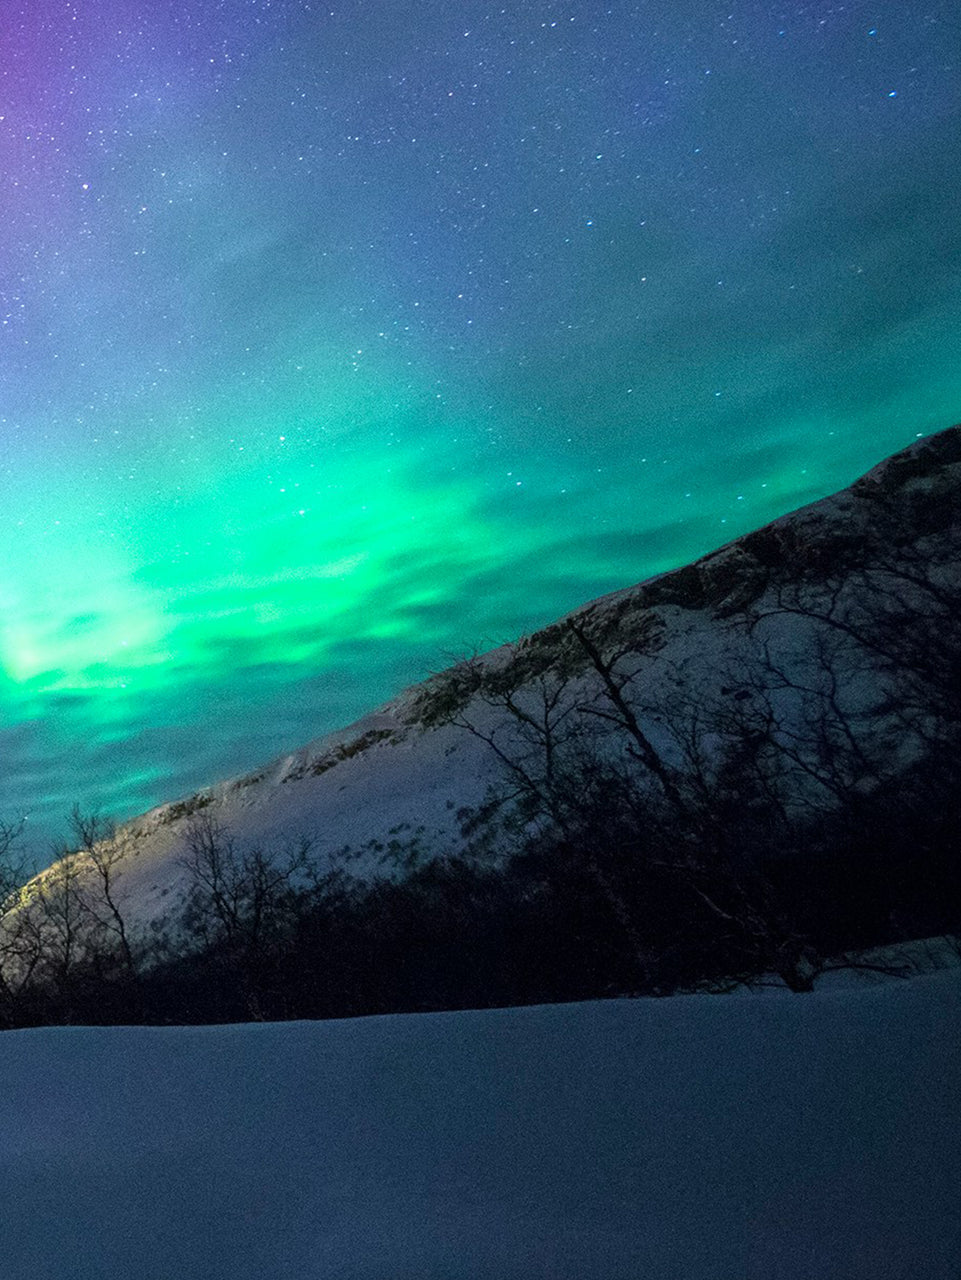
<point>753,1137</point>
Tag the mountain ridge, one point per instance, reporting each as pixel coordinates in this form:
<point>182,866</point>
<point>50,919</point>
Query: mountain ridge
<point>403,776</point>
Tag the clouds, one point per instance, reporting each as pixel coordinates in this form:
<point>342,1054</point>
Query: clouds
<point>331,344</point>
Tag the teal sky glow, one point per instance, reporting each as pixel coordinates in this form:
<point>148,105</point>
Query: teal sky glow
<point>338,341</point>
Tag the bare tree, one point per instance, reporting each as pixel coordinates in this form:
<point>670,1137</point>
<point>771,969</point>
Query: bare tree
<point>12,862</point>
<point>733,783</point>
<point>57,917</point>
<point>240,905</point>
<point>104,849</point>
<point>18,954</point>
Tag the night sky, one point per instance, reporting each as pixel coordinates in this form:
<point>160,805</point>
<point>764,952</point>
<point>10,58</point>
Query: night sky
<point>339,340</point>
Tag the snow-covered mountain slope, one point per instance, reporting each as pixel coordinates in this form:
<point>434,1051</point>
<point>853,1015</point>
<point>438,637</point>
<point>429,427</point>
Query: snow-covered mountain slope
<point>759,1137</point>
<point>694,636</point>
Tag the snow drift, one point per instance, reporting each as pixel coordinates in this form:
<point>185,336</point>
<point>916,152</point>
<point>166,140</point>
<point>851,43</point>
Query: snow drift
<point>755,1137</point>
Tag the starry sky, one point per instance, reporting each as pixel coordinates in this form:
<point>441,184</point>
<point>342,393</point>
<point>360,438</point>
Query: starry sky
<point>340,339</point>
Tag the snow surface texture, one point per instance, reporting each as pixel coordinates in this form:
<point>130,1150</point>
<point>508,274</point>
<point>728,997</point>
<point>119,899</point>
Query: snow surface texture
<point>741,1138</point>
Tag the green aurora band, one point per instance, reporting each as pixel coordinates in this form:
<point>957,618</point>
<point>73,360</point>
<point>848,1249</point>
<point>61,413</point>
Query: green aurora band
<point>335,345</point>
<point>290,583</point>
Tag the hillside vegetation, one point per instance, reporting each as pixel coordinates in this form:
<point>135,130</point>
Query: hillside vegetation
<point>745,770</point>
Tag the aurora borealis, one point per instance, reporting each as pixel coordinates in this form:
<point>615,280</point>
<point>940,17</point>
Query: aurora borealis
<point>340,339</point>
